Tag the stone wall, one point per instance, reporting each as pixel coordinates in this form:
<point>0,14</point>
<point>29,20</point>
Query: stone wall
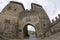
<point>14,17</point>
<point>55,25</point>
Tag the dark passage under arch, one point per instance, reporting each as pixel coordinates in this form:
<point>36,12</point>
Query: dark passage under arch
<point>27,32</point>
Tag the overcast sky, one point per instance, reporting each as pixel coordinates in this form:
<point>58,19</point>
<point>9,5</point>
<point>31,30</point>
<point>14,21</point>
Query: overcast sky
<point>52,7</point>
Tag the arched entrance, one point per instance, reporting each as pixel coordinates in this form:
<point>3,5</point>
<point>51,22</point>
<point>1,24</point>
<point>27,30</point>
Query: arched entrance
<point>29,32</point>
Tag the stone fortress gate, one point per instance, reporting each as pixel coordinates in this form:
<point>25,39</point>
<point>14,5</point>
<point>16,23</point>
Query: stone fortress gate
<point>14,19</point>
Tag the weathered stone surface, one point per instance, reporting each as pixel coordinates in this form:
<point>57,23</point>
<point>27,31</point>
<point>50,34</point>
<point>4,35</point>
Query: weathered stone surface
<point>14,20</point>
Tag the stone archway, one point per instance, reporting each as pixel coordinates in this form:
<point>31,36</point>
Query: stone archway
<point>17,13</point>
<point>25,30</point>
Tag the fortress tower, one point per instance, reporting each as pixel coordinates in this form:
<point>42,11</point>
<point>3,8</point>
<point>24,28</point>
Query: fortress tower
<point>14,18</point>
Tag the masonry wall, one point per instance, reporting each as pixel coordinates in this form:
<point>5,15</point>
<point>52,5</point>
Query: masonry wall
<point>14,18</point>
<point>44,20</point>
<point>55,27</point>
<point>9,18</point>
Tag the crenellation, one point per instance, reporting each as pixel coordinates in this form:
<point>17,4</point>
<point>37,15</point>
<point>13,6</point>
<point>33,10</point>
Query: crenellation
<point>59,15</point>
<point>52,20</point>
<point>55,25</point>
<point>56,18</point>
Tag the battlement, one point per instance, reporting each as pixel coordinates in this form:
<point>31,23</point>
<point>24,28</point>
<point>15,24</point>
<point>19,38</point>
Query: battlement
<point>57,20</point>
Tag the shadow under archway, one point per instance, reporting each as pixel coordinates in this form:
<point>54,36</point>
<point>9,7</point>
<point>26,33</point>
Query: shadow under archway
<point>27,33</point>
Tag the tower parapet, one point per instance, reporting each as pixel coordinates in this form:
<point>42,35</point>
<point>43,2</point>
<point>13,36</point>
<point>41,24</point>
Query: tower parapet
<point>56,20</point>
<point>55,25</point>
